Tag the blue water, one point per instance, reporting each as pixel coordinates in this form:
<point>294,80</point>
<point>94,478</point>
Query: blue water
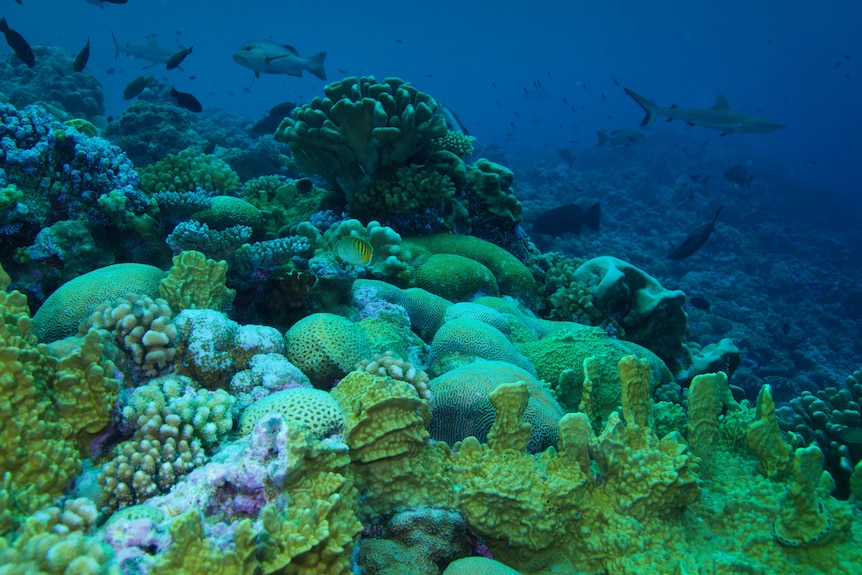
<point>775,58</point>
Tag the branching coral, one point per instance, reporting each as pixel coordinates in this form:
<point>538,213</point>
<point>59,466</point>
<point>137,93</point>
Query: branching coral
<point>143,327</point>
<point>173,423</point>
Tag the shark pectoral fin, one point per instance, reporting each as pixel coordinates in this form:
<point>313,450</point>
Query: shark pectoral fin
<point>290,49</point>
<point>271,59</point>
<point>721,103</point>
<point>256,74</point>
<point>724,134</point>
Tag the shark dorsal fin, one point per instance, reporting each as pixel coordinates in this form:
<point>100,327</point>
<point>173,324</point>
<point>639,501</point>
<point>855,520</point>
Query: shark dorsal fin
<point>290,49</point>
<point>721,103</point>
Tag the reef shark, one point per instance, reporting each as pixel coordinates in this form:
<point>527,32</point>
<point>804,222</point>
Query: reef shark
<point>152,52</point>
<point>720,117</point>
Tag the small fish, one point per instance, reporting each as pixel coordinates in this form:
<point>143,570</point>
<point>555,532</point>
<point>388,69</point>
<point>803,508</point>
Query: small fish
<point>699,303</point>
<point>267,57</point>
<point>177,58</point>
<point>136,86</point>
<point>568,218</point>
<point>110,70</point>
<point>399,41</point>
<point>82,57</point>
<point>186,100</point>
<point>620,137</point>
<point>354,251</point>
<point>603,97</point>
<point>838,64</point>
<point>850,434</point>
<point>695,239</point>
<point>18,44</point>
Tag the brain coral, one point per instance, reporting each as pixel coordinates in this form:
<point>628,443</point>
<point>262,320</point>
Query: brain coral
<point>425,309</point>
<point>325,347</point>
<point>456,278</point>
<point>314,408</point>
<point>512,276</point>
<point>74,301</point>
<point>462,407</point>
<point>227,211</point>
<point>464,340</point>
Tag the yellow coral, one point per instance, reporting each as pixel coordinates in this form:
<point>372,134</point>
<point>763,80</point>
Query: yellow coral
<point>764,437</point>
<point>313,408</point>
<point>196,282</point>
<point>74,301</point>
<point>325,347</point>
<point>384,417</point>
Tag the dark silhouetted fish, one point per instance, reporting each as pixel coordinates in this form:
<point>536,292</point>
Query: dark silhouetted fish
<point>269,123</point>
<point>850,435</point>
<point>620,137</point>
<point>18,44</point>
<point>186,100</point>
<point>176,59</point>
<point>699,302</point>
<point>695,239</point>
<point>568,218</point>
<point>738,176</point>
<point>136,86</point>
<point>82,57</point>
<point>453,122</point>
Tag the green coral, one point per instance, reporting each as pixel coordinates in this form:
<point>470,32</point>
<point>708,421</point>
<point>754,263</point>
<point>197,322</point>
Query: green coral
<point>457,143</point>
<point>493,184</point>
<point>196,282</point>
<point>359,127</point>
<point>401,189</point>
<point>513,277</point>
<point>74,301</point>
<point>188,171</point>
<point>456,278</point>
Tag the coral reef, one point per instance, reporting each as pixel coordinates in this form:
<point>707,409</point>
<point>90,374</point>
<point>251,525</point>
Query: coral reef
<point>325,347</point>
<point>50,84</point>
<point>314,409</point>
<point>74,302</point>
<point>187,171</point>
<point>211,348</point>
<point>359,127</point>
<point>827,418</point>
<point>173,422</point>
<point>142,327</point>
<point>462,407</point>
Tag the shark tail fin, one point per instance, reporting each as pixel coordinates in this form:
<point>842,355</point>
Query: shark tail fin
<point>603,137</point>
<point>652,110</point>
<point>315,65</point>
<point>116,46</point>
